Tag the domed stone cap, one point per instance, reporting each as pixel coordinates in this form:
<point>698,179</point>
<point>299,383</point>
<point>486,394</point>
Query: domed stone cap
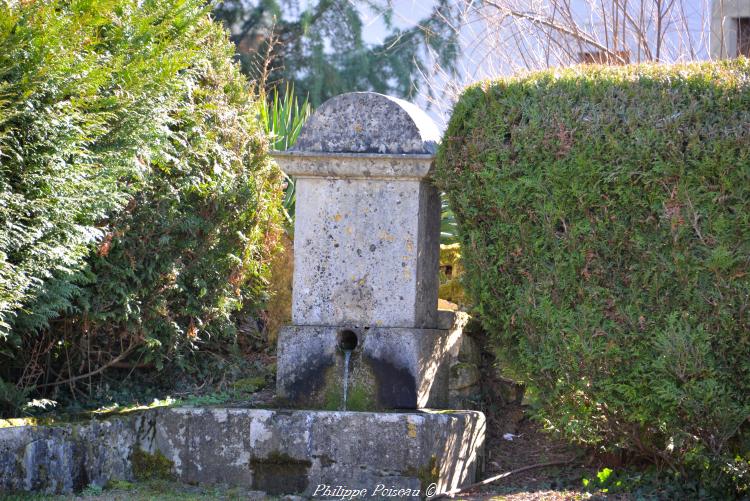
<point>368,122</point>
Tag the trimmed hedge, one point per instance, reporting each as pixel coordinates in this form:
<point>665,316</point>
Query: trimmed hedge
<point>138,205</point>
<point>604,218</point>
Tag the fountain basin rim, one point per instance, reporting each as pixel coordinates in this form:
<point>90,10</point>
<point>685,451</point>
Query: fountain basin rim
<point>431,415</point>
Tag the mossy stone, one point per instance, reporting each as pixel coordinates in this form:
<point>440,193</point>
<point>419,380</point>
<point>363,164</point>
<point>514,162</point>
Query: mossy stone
<point>147,466</point>
<point>427,474</point>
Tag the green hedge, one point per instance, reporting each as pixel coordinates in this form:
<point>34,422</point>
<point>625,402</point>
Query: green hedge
<point>604,217</point>
<point>137,202</point>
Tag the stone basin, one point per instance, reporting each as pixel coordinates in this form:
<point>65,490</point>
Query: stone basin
<point>276,451</point>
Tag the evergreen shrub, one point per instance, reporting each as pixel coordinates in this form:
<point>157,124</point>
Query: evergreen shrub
<point>604,221</point>
<point>138,207</point>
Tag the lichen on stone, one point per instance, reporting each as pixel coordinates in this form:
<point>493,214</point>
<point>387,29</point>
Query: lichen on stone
<point>427,474</point>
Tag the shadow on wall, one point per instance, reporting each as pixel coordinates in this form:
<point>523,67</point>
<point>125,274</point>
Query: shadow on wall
<point>278,311</point>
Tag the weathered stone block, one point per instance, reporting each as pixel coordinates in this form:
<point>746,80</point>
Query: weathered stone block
<point>463,376</point>
<point>66,458</point>
<point>366,253</point>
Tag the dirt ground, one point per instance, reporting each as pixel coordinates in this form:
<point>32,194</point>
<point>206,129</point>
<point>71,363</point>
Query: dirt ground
<point>530,446</point>
<point>515,442</point>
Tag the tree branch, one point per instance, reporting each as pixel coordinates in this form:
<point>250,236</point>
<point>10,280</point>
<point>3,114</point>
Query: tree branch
<point>575,33</point>
<point>490,480</point>
<point>109,364</point>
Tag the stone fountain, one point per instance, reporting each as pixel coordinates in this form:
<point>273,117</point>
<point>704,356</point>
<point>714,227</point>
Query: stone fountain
<point>367,248</point>
<point>363,370</point>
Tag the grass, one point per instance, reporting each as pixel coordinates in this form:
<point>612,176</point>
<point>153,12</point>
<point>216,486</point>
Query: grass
<point>161,490</point>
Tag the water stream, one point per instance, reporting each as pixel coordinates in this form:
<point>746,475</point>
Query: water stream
<point>347,356</point>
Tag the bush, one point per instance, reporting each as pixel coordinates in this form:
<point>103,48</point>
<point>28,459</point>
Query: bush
<point>604,218</point>
<point>139,207</point>
<point>283,116</point>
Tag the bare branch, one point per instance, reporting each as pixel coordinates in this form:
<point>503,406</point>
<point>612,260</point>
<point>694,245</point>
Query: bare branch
<point>567,30</point>
<point>101,368</point>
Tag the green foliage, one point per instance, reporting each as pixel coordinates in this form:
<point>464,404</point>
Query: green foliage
<point>283,118</point>
<point>138,206</point>
<point>650,484</point>
<point>604,218</point>
<point>448,225</point>
<point>120,485</point>
<point>319,46</point>
<point>607,481</point>
<point>11,398</point>
<point>77,93</point>
<point>92,490</point>
<point>451,274</point>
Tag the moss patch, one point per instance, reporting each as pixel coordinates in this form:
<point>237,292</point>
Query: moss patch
<point>332,398</point>
<point>361,397</point>
<point>151,490</point>
<point>457,368</point>
<point>250,384</point>
<point>122,485</point>
<point>28,421</point>
<point>362,391</point>
<point>148,466</point>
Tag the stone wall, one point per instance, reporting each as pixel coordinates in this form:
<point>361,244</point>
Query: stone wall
<point>275,451</point>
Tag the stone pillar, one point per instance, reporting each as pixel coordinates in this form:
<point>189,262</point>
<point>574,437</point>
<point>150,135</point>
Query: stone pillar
<point>366,246</point>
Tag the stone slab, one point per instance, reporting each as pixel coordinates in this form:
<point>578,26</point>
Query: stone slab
<point>366,253</point>
<point>274,451</point>
<point>67,458</point>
